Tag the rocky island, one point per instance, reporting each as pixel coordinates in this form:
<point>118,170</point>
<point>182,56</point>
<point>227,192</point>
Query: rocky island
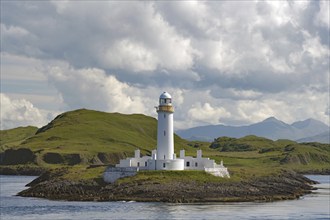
<point>170,186</point>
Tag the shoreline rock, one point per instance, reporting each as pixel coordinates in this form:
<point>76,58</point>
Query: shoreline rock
<point>22,170</point>
<point>317,172</point>
<point>287,185</point>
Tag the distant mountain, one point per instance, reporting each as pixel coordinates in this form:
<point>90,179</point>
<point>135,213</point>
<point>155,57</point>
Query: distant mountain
<point>321,138</point>
<point>271,128</point>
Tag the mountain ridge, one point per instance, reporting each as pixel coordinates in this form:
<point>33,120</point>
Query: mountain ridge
<point>271,128</point>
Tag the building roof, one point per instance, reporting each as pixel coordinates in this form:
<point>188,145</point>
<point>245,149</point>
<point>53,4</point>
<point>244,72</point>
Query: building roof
<point>165,95</point>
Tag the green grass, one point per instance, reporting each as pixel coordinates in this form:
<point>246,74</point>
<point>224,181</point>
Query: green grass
<point>83,173</point>
<point>14,137</point>
<point>263,156</point>
<point>173,176</point>
<point>90,131</point>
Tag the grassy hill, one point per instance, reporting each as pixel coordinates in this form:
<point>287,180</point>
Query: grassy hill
<point>87,137</point>
<point>14,137</point>
<point>81,138</point>
<point>252,155</point>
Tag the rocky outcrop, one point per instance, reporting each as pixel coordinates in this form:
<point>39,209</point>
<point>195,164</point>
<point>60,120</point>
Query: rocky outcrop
<point>50,125</point>
<point>22,170</point>
<point>17,156</point>
<point>56,158</point>
<point>305,158</point>
<point>318,172</point>
<point>287,185</point>
<point>110,158</point>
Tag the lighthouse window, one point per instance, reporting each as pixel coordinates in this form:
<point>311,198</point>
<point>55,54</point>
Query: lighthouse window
<point>138,164</point>
<point>145,163</point>
<point>196,164</point>
<point>164,165</point>
<point>164,133</point>
<point>188,164</point>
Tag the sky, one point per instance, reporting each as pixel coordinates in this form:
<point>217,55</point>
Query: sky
<point>223,62</point>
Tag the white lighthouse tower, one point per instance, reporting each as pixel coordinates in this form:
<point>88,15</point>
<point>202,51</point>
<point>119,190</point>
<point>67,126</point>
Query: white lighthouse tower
<point>165,158</point>
<point>165,142</point>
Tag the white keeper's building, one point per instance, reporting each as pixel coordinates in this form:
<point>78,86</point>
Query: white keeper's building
<point>164,157</point>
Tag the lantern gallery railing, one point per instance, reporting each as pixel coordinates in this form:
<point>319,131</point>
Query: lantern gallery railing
<point>164,108</point>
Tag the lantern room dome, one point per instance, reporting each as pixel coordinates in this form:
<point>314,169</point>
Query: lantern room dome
<point>165,95</point>
<point>165,99</point>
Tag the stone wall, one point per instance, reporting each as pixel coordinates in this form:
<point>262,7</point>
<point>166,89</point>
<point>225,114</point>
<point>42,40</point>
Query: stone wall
<point>113,173</point>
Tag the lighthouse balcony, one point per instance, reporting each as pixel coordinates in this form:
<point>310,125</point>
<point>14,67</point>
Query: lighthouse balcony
<point>165,108</point>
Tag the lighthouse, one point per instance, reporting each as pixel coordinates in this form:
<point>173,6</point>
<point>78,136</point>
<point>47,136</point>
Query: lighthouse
<point>165,142</point>
<point>164,158</point>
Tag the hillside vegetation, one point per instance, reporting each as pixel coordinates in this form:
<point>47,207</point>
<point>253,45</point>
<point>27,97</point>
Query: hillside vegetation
<point>81,138</point>
<point>14,137</point>
<point>254,155</point>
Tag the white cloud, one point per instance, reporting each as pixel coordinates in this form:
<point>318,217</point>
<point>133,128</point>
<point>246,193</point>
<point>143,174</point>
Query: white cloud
<point>289,107</point>
<point>206,113</point>
<point>92,88</point>
<point>144,42</point>
<point>13,31</point>
<point>20,112</point>
<point>314,47</point>
<point>126,54</point>
<point>323,16</point>
<point>22,78</point>
<point>236,39</point>
<point>17,67</point>
<point>236,61</point>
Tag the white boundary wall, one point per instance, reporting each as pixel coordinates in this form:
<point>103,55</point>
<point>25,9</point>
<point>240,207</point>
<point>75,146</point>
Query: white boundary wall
<point>130,166</point>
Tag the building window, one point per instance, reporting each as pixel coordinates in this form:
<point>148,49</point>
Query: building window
<point>164,133</point>
<point>164,115</point>
<point>188,164</point>
<point>196,164</point>
<point>145,163</point>
<point>164,165</point>
<point>138,164</point>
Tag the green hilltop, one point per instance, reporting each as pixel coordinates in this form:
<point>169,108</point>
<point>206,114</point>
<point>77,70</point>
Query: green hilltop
<point>81,138</point>
<point>14,137</point>
<point>86,137</point>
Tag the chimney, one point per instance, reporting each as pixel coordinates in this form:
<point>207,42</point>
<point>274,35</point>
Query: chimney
<point>137,153</point>
<point>182,152</point>
<point>199,153</point>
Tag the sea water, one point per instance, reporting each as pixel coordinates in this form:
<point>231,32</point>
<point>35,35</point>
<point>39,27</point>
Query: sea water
<point>311,206</point>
